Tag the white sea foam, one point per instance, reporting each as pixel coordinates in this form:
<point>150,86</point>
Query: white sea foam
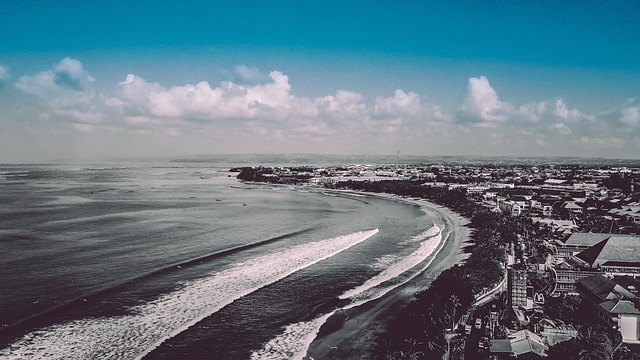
<point>431,240</point>
<point>384,262</point>
<point>135,335</point>
<point>432,231</point>
<point>294,342</point>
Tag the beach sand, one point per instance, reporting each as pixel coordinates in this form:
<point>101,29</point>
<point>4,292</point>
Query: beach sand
<point>356,338</point>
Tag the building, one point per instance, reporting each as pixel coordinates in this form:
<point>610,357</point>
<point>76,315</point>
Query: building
<point>565,227</point>
<point>517,287</point>
<point>588,254</point>
<point>553,332</point>
<point>516,344</point>
<point>627,214</point>
<point>509,207</point>
<point>565,279</point>
<point>614,302</point>
<point>578,242</point>
<point>616,255</point>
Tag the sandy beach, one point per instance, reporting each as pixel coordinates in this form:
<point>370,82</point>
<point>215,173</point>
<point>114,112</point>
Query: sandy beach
<point>355,338</point>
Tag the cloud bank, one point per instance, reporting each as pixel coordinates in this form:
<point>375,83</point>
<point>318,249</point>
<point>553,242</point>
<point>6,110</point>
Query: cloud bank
<point>262,113</point>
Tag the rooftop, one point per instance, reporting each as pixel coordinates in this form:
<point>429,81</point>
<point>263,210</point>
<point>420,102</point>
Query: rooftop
<point>612,295</point>
<point>616,249</point>
<point>518,343</point>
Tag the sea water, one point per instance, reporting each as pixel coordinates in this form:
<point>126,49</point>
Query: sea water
<point>176,259</point>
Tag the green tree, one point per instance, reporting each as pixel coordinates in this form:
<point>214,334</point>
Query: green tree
<point>563,307</point>
<point>623,353</point>
<point>596,345</point>
<point>452,306</point>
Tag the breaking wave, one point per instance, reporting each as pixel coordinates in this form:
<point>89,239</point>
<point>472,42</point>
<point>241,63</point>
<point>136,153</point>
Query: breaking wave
<point>148,325</point>
<point>295,340</point>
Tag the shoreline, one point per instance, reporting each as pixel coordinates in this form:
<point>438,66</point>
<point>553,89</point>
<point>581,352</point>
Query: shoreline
<point>360,326</point>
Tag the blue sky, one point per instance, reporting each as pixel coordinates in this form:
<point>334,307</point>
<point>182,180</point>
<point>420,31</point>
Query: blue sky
<point>116,78</point>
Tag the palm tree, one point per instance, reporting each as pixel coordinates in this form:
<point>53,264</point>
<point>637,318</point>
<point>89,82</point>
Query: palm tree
<point>596,345</point>
<point>593,354</point>
<point>454,303</point>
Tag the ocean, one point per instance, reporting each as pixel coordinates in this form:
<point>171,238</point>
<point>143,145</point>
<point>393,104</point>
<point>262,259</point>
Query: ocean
<point>166,259</point>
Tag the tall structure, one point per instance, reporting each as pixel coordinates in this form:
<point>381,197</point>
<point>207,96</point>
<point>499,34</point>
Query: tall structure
<point>517,287</point>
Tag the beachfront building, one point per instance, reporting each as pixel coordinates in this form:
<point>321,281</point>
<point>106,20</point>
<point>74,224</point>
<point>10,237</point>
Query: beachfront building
<point>565,279</point>
<point>614,302</point>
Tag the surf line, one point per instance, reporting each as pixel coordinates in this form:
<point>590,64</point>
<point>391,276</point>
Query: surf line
<point>430,241</point>
<point>40,319</point>
<point>295,340</point>
<point>147,326</point>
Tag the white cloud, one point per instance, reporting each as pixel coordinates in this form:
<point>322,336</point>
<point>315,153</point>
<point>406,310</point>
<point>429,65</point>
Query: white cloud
<point>603,142</point>
<point>565,113</point>
<point>249,74</point>
<point>399,104</point>
<point>560,128</point>
<point>482,101</point>
<point>343,105</point>
<point>631,116</point>
<point>272,100</point>
<point>264,105</point>
<point>66,84</point>
<point>533,112</point>
<point>4,73</point>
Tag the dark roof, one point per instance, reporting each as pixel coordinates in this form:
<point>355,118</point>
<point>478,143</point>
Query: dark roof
<point>586,238</point>
<point>616,249</point>
<point>613,296</point>
<point>597,284</point>
<point>591,254</point>
<point>621,263</point>
<point>625,307</point>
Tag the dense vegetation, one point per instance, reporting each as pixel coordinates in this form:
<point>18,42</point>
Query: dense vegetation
<point>266,175</point>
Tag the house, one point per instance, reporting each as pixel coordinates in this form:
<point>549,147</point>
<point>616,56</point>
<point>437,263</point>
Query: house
<point>516,344</point>
<point>628,214</point>
<point>614,302</point>
<point>509,207</point>
<point>572,207</point>
<point>558,226</point>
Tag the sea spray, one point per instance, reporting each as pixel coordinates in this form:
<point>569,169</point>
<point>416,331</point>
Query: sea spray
<point>148,325</point>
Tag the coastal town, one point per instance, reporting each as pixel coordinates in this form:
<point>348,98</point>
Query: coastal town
<point>568,247</point>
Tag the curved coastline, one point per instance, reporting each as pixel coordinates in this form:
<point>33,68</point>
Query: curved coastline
<point>355,338</point>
